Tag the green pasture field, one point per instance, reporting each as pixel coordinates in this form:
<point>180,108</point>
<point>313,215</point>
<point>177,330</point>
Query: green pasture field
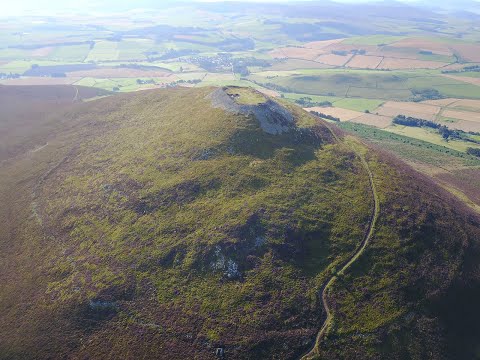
<point>437,57</point>
<point>315,98</point>
<point>70,53</point>
<point>182,45</point>
<point>20,66</point>
<point>388,85</point>
<point>14,54</point>
<point>103,50</point>
<point>134,49</point>
<point>474,74</point>
<point>431,136</point>
<point>356,104</point>
<point>412,149</point>
<point>123,84</point>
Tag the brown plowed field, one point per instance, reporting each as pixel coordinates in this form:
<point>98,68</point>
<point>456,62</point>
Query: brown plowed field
<point>470,52</point>
<point>424,44</point>
<point>296,53</point>
<point>45,51</point>
<point>322,44</point>
<point>294,64</point>
<point>334,60</point>
<point>440,102</point>
<point>365,62</point>
<point>462,115</point>
<point>373,120</point>
<point>422,111</point>
<point>473,104</point>
<point>394,63</point>
<point>466,125</point>
<point>466,79</point>
<point>350,47</point>
<point>342,114</point>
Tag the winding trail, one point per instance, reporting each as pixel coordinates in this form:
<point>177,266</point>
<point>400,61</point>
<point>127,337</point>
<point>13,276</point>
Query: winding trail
<point>75,98</point>
<point>313,352</point>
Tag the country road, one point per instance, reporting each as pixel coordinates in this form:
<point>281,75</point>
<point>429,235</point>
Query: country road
<point>314,350</point>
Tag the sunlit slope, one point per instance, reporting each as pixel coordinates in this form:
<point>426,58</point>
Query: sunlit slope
<point>170,223</point>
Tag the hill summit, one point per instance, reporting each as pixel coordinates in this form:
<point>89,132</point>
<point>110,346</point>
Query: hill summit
<point>205,222</point>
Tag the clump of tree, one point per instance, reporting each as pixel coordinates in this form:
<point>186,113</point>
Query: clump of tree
<point>448,133</point>
<point>241,69</point>
<point>415,122</point>
<point>358,51</point>
<point>308,102</point>
<point>471,68</point>
<point>173,54</point>
<point>426,94</point>
<point>473,151</point>
<point>143,82</point>
<point>194,81</point>
<point>324,116</point>
<point>444,131</point>
<point>339,52</point>
<point>58,75</point>
<point>9,76</point>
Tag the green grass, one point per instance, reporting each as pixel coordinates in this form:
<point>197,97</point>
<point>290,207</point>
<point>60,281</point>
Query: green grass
<point>72,53</point>
<point>436,57</point>
<point>14,54</point>
<point>381,85</point>
<point>20,66</point>
<point>103,50</point>
<point>358,104</point>
<point>315,98</point>
<point>431,136</point>
<point>134,49</point>
<point>474,74</point>
<point>246,96</point>
<point>418,150</point>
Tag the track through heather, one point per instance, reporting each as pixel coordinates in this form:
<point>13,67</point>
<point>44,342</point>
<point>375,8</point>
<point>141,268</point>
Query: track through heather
<point>314,350</point>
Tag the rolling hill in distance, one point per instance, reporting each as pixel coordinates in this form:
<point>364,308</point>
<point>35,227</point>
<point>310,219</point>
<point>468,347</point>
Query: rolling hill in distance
<point>240,180</point>
<point>173,223</point>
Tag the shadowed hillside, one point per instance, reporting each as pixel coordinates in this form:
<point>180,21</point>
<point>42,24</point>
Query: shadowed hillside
<point>172,223</point>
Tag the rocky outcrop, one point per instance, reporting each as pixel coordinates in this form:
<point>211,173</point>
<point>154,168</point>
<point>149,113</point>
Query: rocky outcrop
<point>273,118</point>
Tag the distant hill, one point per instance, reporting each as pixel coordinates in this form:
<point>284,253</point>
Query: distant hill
<point>204,223</point>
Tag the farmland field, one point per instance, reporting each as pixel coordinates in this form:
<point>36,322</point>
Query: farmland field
<point>365,62</point>
<point>103,50</point>
<point>342,114</point>
<point>378,121</point>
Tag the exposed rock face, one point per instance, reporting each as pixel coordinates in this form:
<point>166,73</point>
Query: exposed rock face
<point>273,118</point>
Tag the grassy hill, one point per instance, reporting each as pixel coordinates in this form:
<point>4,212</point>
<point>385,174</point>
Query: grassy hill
<point>170,223</point>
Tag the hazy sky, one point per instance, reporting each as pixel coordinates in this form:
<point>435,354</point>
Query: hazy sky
<point>26,6</point>
<point>22,7</point>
